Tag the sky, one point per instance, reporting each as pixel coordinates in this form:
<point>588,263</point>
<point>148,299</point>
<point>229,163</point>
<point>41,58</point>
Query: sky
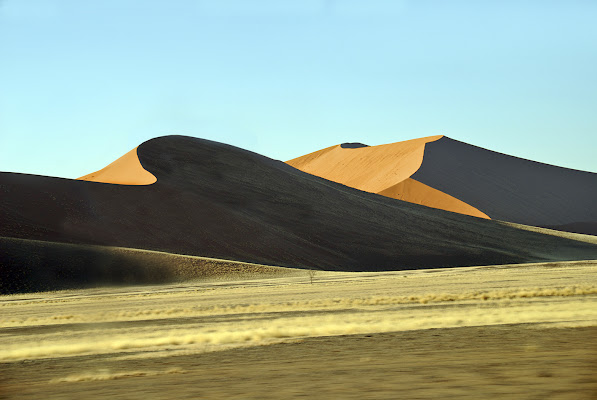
<point>84,82</point>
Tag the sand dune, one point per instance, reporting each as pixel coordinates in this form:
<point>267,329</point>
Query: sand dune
<point>215,200</point>
<point>416,192</point>
<point>127,170</point>
<point>372,168</point>
<point>510,188</point>
<point>385,170</point>
<point>443,173</point>
<point>159,319</point>
<point>57,266</point>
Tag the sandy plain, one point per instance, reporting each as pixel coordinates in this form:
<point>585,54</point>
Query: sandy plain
<point>511,331</point>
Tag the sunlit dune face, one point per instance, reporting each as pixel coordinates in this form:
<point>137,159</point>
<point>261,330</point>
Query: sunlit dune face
<point>372,169</point>
<point>385,170</point>
<point>127,170</point>
<point>416,192</point>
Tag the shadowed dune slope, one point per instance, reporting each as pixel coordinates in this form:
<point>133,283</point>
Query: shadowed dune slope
<point>215,200</point>
<point>383,169</point>
<point>35,265</point>
<point>127,170</point>
<point>510,188</point>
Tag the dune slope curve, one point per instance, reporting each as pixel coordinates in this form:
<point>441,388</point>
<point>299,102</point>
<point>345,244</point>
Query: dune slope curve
<point>215,200</point>
<point>127,170</point>
<point>510,188</point>
<point>383,169</point>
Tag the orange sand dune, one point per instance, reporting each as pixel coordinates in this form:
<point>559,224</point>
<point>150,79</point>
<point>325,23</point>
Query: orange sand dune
<point>371,169</point>
<point>219,201</point>
<point>384,170</point>
<point>127,170</point>
<point>416,192</point>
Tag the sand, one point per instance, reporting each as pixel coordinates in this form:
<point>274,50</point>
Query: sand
<point>127,170</point>
<point>385,170</point>
<point>511,188</point>
<point>517,331</point>
<point>372,168</point>
<point>443,173</point>
<point>218,201</point>
<point>33,266</point>
<point>196,314</point>
<point>416,192</point>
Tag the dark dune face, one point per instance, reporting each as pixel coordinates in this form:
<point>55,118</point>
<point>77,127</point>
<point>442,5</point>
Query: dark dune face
<point>353,145</point>
<point>586,228</point>
<point>512,189</point>
<point>215,200</point>
<point>32,266</point>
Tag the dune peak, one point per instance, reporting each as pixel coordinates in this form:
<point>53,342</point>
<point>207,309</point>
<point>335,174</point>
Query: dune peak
<point>369,168</point>
<point>354,145</point>
<point>127,170</point>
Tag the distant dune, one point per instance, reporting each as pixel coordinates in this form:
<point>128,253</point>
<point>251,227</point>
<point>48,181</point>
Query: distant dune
<point>443,173</point>
<point>510,188</point>
<point>385,170</point>
<point>371,168</point>
<point>215,200</point>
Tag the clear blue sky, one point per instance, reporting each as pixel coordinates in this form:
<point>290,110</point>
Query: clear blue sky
<point>83,82</point>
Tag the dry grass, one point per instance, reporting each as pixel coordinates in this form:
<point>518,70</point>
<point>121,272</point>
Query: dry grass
<point>125,337</point>
<point>206,315</point>
<point>106,375</point>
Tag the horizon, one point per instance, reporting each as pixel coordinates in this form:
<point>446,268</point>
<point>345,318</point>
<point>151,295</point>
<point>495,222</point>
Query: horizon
<point>83,84</point>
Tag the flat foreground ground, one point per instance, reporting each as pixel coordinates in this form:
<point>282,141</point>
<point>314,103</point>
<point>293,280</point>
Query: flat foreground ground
<point>521,331</point>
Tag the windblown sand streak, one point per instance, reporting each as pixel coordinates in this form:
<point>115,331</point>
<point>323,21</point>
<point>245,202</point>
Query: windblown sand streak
<point>254,332</point>
<point>310,305</point>
<point>108,376</point>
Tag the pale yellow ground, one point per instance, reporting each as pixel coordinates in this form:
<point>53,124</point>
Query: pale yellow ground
<point>522,331</point>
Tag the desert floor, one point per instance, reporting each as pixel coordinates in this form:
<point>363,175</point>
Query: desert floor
<point>519,331</point>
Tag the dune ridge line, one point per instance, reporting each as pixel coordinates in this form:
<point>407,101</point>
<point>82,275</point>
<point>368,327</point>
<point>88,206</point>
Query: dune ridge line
<point>126,170</point>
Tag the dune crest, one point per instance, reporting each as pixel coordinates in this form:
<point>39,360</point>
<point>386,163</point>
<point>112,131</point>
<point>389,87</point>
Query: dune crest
<point>510,188</point>
<point>219,201</point>
<point>385,169</point>
<point>371,169</point>
<point>447,174</point>
<point>127,170</point>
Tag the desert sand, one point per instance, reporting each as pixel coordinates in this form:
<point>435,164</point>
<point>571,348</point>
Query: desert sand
<point>218,201</point>
<point>194,269</point>
<point>34,265</point>
<point>385,170</point>
<point>447,174</point>
<point>511,331</point>
<point>510,188</point>
<point>369,168</point>
<point>416,192</point>
<point>127,170</point>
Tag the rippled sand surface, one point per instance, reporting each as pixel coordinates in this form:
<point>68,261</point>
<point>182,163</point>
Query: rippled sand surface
<point>519,331</point>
